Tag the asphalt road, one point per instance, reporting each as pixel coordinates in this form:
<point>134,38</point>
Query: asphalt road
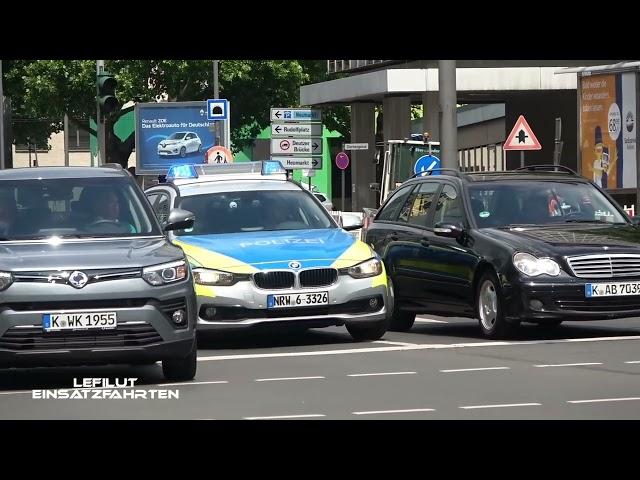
<point>441,369</point>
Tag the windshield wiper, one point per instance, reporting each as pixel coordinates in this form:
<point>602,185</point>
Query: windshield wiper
<point>3,239</point>
<point>582,220</point>
<point>519,225</point>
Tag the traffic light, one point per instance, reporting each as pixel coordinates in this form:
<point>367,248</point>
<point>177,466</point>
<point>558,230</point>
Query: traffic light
<point>107,93</point>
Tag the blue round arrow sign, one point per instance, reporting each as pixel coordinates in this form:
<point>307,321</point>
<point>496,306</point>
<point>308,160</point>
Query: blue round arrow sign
<point>426,163</point>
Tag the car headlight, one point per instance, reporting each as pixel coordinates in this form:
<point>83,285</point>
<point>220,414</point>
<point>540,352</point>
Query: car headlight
<point>368,268</point>
<point>5,280</point>
<point>534,266</point>
<point>207,276</point>
<point>165,273</point>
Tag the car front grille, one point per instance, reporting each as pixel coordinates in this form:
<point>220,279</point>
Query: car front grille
<point>35,338</point>
<point>274,280</point>
<point>594,305</point>
<point>57,306</point>
<point>605,266</point>
<point>56,276</point>
<point>318,277</point>
<point>232,314</point>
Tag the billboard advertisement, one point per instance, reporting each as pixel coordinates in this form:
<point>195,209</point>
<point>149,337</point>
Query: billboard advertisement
<point>608,130</point>
<point>174,133</point>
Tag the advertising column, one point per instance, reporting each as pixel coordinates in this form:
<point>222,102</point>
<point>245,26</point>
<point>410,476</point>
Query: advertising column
<point>607,129</point>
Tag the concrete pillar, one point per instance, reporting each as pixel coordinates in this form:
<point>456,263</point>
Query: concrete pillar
<point>449,124</point>
<point>363,166</point>
<point>397,118</point>
<point>431,115</point>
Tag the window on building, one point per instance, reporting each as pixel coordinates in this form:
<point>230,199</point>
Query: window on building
<point>78,138</point>
<point>42,147</point>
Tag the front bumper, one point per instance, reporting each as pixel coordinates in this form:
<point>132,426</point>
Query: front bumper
<point>243,305</point>
<point>145,331</point>
<point>564,299</point>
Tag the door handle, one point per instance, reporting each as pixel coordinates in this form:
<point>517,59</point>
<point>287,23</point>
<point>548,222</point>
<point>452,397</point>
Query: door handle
<point>393,236</point>
<point>424,242</point>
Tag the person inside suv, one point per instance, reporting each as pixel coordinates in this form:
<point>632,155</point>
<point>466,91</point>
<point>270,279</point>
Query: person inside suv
<point>106,210</point>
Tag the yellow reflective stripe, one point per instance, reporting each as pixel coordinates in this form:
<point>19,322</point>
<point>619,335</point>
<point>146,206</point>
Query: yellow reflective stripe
<point>209,259</point>
<point>380,279</point>
<point>356,253</point>
<point>205,291</point>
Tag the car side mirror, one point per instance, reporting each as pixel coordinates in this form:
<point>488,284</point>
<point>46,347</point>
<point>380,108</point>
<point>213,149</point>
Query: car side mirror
<point>374,186</point>
<point>179,220</point>
<point>351,222</point>
<point>447,230</point>
<point>636,220</point>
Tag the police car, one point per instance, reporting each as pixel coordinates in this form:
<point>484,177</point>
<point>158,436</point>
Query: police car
<point>264,251</point>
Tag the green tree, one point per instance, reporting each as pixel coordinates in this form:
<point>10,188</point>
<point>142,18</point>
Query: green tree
<point>42,91</point>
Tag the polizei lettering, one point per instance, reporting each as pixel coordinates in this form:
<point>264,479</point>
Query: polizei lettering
<point>284,241</point>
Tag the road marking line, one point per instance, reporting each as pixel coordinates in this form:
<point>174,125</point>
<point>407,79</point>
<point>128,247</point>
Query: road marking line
<point>634,361</point>
<point>568,365</point>
<point>394,343</point>
<point>312,415</point>
<point>395,411</point>
<point>471,407</point>
<point>191,383</point>
<point>429,320</point>
<point>474,369</point>
<point>596,400</point>
<point>284,378</point>
<point>378,374</point>
<point>16,392</point>
<point>412,347</point>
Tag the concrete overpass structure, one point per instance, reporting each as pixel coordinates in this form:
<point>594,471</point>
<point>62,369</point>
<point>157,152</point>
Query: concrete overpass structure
<point>525,87</point>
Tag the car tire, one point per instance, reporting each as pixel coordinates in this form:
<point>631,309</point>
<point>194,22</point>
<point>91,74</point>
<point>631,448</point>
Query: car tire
<point>183,152</point>
<point>362,333</point>
<point>489,312</point>
<point>182,369</point>
<point>400,321</point>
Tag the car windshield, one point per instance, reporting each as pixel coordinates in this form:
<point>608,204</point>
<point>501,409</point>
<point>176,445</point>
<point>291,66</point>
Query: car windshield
<point>73,207</point>
<point>176,136</point>
<point>535,202</point>
<point>249,211</point>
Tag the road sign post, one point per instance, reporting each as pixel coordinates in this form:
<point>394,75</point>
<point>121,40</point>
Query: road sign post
<point>342,162</point>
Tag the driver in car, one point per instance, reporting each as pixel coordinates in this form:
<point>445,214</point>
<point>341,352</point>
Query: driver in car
<point>106,210</point>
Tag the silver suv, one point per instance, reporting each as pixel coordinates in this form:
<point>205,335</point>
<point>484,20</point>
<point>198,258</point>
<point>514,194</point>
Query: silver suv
<point>87,275</point>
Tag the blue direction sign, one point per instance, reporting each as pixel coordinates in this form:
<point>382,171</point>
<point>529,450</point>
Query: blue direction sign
<point>426,163</point>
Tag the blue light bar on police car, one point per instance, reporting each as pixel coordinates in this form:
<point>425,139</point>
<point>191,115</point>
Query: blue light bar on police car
<point>182,171</point>
<point>263,168</point>
<point>272,167</point>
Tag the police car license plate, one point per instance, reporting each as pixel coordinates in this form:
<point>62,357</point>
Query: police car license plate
<point>302,299</point>
<point>618,289</point>
<point>53,322</point>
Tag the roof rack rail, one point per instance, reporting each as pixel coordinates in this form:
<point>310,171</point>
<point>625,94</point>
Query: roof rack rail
<point>555,168</point>
<point>115,166</point>
<point>456,173</point>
